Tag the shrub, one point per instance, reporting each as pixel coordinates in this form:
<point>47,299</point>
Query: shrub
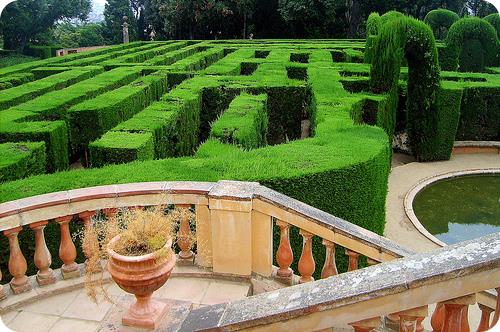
<point>21,159</point>
<point>118,147</point>
<point>414,40</point>
<point>373,24</point>
<point>494,20</point>
<point>440,20</point>
<point>244,123</point>
<point>468,31</point>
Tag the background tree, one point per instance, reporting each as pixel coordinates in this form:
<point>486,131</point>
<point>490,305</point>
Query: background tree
<point>114,10</point>
<point>23,20</point>
<point>313,18</point>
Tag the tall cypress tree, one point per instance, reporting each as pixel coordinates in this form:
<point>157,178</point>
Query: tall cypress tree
<point>114,11</point>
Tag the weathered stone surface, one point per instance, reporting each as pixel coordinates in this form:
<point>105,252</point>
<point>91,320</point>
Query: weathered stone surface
<point>235,190</point>
<point>373,282</point>
<point>203,318</point>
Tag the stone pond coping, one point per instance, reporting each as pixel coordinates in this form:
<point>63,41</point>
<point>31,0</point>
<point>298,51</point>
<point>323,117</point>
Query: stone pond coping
<point>402,284</point>
<point>410,196</point>
<point>49,206</point>
<point>465,147</point>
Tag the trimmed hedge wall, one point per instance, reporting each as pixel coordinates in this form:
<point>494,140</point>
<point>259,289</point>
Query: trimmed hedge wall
<point>414,40</point>
<point>21,159</point>
<point>494,20</point>
<point>482,42</point>
<point>92,118</point>
<point>480,115</point>
<point>34,89</point>
<point>244,123</point>
<point>346,159</point>
<point>118,147</point>
<point>8,82</point>
<point>440,20</point>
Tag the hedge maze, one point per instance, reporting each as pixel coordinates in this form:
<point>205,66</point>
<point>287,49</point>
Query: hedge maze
<point>291,114</point>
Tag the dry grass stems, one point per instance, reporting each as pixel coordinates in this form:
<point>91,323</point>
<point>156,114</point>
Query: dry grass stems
<point>142,231</point>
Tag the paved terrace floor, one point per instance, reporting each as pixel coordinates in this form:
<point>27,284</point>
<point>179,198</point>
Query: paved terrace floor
<point>74,311</point>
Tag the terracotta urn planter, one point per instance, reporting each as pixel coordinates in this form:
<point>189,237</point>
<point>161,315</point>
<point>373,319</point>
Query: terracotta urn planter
<point>141,276</point>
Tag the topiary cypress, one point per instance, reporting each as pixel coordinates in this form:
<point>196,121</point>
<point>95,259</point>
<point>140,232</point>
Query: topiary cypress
<point>440,20</point>
<point>494,20</point>
<point>467,31</point>
<point>373,24</point>
<point>413,39</point>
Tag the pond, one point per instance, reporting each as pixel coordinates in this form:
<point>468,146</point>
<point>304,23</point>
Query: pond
<point>460,208</point>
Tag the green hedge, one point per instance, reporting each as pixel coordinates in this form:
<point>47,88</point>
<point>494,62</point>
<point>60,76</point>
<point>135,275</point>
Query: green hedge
<point>53,133</point>
<point>440,20</point>
<point>414,40</point>
<point>92,118</point>
<point>472,44</point>
<point>34,89</point>
<point>244,123</point>
<point>373,24</point>
<point>13,80</point>
<point>118,147</point>
<point>42,52</point>
<point>479,116</point>
<point>173,122</point>
<point>494,20</point>
<point>347,164</point>
<point>21,159</point>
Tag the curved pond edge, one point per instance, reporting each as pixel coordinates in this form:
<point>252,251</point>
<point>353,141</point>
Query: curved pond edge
<point>413,192</point>
<point>468,147</point>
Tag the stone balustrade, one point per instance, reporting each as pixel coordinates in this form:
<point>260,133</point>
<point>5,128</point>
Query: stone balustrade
<point>401,289</point>
<point>234,224</point>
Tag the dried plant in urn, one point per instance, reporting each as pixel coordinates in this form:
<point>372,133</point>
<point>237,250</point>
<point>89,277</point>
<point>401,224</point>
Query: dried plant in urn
<point>138,247</point>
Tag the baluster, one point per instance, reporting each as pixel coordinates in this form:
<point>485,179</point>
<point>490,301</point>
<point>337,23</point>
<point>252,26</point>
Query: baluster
<point>67,250</point>
<point>366,325</point>
<point>185,237</point>
<point>329,268</point>
<point>306,265</point>
<point>284,254</point>
<point>437,319</point>
<point>86,216</point>
<point>353,259</point>
<point>497,310</point>
<point>456,314</point>
<point>17,263</point>
<point>484,323</point>
<point>43,259</point>
<point>3,295</point>
<point>411,320</point>
<point>110,212</point>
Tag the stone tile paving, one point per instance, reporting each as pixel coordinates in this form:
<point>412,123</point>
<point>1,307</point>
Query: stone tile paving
<point>74,311</point>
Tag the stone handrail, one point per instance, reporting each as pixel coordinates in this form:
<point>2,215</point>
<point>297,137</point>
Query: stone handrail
<point>401,288</point>
<point>234,221</point>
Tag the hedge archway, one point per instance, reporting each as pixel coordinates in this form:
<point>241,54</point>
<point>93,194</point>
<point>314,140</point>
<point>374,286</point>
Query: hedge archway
<point>440,20</point>
<point>413,40</point>
<point>471,31</point>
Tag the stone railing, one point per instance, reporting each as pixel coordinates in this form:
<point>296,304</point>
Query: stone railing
<point>400,289</point>
<point>234,221</point>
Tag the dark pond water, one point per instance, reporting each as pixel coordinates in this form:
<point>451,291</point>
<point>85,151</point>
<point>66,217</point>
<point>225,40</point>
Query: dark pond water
<point>460,208</point>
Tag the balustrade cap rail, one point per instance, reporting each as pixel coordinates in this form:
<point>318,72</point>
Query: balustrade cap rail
<point>392,278</point>
<point>229,190</point>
